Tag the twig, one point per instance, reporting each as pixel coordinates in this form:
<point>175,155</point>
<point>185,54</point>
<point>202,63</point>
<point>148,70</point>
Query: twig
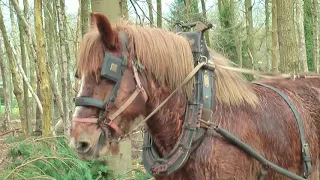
<point>42,177</point>
<point>36,159</point>
<point>44,138</point>
<point>13,130</point>
<point>134,7</point>
<point>136,150</point>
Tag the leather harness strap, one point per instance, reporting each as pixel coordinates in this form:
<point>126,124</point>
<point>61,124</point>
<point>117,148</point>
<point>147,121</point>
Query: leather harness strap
<point>304,145</point>
<point>87,101</point>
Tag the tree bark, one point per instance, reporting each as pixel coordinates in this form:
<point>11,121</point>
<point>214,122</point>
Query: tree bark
<point>301,36</point>
<point>274,36</point>
<point>4,75</point>
<point>288,46</point>
<point>188,7</point>
<point>44,87</point>
<point>204,14</point>
<point>25,85</point>
<point>64,70</point>
<point>159,14</point>
<point>124,9</point>
<point>150,12</point>
<point>67,47</point>
<point>14,33</point>
<point>314,11</point>
<point>49,26</point>
<point>32,68</point>
<point>101,5</point>
<point>267,12</point>
<point>17,90</point>
<point>25,20</point>
<point>250,32</point>
<point>85,16</point>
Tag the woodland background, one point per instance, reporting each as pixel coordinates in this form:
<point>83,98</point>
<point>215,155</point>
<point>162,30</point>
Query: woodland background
<point>39,40</point>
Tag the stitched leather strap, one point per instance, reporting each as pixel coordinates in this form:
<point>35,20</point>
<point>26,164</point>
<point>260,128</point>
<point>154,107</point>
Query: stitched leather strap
<point>304,145</point>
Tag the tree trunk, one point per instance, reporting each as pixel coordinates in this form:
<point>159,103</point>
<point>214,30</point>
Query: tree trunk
<point>204,14</point>
<point>274,33</point>
<point>25,22</point>
<point>314,10</point>
<point>301,36</point>
<point>25,86</point>
<point>101,5</point>
<point>32,66</point>
<point>4,75</point>
<point>124,9</point>
<point>64,70</point>
<point>188,7</point>
<point>17,90</point>
<point>150,8</point>
<point>67,47</point>
<point>44,87</point>
<point>14,33</point>
<point>288,46</point>
<point>49,26</point>
<point>85,16</point>
<point>267,12</point>
<point>159,14</point>
<point>250,32</point>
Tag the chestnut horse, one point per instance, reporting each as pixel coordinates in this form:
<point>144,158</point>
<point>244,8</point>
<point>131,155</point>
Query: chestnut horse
<point>255,114</point>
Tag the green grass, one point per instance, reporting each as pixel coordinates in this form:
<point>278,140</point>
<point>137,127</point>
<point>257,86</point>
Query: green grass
<point>51,158</point>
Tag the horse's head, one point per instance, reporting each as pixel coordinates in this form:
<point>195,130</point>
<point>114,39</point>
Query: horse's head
<point>111,95</point>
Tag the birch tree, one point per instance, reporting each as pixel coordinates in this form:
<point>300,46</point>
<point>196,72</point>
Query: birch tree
<point>32,68</point>
<point>4,75</point>
<point>25,86</point>
<point>64,70</point>
<point>52,56</point>
<point>17,89</point>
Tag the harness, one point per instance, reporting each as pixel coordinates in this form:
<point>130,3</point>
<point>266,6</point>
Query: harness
<point>113,68</point>
<point>198,115</point>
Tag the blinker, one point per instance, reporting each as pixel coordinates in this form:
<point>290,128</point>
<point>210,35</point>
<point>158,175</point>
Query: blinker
<point>113,67</point>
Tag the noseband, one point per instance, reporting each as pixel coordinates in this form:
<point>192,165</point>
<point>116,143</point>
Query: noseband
<point>113,69</point>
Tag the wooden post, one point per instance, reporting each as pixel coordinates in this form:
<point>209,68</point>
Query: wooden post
<point>122,162</point>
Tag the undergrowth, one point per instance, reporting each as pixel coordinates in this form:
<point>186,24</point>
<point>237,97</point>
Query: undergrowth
<point>51,158</point>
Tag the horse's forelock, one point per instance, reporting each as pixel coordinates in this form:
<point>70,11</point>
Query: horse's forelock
<point>91,54</point>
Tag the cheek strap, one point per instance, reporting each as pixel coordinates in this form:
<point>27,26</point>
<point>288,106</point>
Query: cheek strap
<point>113,116</point>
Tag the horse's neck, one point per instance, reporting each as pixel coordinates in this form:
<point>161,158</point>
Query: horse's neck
<point>165,126</point>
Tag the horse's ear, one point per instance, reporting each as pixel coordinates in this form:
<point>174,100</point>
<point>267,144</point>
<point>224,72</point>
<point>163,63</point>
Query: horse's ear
<point>101,22</point>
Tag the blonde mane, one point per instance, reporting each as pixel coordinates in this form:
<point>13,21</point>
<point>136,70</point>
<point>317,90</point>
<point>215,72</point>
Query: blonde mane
<point>167,57</point>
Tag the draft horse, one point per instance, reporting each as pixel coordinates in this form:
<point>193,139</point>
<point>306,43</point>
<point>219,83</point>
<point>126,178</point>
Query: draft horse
<point>217,126</point>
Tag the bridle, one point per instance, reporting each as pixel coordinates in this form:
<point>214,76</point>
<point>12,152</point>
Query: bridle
<point>113,69</point>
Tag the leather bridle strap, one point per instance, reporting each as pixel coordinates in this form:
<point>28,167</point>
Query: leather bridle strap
<point>132,97</point>
<point>100,104</point>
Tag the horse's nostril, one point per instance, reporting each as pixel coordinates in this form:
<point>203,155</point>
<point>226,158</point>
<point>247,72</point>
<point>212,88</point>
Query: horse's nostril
<point>83,146</point>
